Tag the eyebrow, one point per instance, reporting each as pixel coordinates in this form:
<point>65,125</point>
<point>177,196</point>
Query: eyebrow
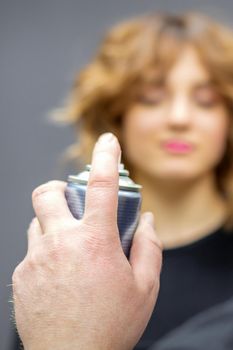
<point>204,83</point>
<point>154,78</point>
<point>160,80</point>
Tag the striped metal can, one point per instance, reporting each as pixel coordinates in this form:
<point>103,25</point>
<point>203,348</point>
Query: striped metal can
<point>129,202</point>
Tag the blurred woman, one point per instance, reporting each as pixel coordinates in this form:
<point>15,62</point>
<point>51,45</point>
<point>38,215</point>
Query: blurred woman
<point>163,84</point>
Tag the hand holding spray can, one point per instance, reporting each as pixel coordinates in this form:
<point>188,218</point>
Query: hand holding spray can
<point>129,202</point>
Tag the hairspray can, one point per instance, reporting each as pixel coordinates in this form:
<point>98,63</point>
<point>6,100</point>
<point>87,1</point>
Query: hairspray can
<point>129,202</point>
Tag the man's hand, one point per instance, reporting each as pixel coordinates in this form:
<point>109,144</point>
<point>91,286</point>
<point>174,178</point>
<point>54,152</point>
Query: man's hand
<point>75,289</point>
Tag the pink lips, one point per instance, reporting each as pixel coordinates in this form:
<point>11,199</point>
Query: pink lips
<point>177,147</point>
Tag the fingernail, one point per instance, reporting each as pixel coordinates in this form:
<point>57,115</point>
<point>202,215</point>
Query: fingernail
<point>149,217</point>
<point>106,137</point>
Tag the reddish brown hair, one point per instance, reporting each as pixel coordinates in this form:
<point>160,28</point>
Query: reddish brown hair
<point>128,55</point>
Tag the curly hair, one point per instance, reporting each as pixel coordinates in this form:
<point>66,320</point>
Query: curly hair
<point>127,56</point>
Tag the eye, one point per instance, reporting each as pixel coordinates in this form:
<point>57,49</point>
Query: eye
<point>206,97</point>
<point>152,96</point>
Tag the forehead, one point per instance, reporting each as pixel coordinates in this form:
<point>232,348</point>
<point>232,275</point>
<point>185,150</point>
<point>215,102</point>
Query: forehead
<point>185,68</point>
<point>188,67</point>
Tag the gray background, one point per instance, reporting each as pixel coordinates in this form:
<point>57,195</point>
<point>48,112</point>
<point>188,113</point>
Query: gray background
<point>43,43</point>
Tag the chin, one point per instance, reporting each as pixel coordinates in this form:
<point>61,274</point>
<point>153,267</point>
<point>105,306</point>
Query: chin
<point>178,177</point>
<point>175,174</point>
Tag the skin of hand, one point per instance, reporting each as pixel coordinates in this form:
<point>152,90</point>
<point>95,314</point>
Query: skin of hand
<point>75,289</point>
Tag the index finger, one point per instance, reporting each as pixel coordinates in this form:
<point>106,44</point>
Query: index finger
<point>102,189</point>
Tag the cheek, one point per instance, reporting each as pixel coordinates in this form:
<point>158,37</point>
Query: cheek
<point>215,139</point>
<point>139,130</point>
<point>137,126</point>
<point>140,123</point>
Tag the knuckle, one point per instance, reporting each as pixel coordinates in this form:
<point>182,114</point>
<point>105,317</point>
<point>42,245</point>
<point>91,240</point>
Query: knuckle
<point>151,290</point>
<point>33,223</point>
<point>59,248</point>
<point>44,258</point>
<point>151,284</point>
<point>33,259</point>
<point>154,239</point>
<point>102,181</point>
<point>150,236</point>
<point>62,230</point>
<point>46,188</point>
<point>155,243</point>
<point>17,273</point>
<point>40,190</point>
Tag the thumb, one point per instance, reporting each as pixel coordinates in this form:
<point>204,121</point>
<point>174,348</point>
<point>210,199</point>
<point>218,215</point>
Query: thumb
<point>146,253</point>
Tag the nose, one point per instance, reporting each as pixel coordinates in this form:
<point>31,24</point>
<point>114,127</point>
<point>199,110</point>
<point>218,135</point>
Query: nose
<point>179,113</point>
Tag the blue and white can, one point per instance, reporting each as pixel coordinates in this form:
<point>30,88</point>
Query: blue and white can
<point>129,203</point>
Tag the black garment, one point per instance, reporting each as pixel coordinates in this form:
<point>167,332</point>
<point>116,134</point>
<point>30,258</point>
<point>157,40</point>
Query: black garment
<point>194,278</point>
<point>211,329</point>
<point>16,343</point>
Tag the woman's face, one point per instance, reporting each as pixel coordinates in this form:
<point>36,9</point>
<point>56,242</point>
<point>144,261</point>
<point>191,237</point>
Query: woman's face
<point>177,127</point>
